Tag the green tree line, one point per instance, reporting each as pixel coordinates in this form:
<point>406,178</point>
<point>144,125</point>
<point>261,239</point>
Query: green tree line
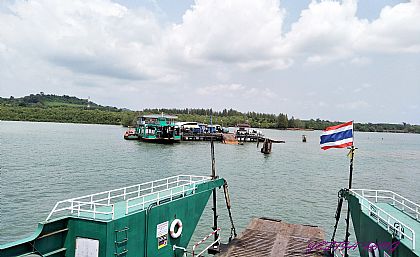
<point>70,109</point>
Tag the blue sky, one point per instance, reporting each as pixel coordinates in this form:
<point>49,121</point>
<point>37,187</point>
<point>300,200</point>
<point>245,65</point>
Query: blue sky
<point>335,60</point>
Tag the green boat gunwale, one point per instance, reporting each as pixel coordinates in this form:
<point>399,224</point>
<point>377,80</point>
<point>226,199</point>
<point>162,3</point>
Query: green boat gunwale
<point>380,216</point>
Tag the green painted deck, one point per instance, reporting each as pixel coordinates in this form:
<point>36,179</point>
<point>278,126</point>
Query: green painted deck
<point>408,221</point>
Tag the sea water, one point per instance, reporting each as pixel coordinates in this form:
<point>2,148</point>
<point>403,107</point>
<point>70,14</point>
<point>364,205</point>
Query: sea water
<point>42,163</point>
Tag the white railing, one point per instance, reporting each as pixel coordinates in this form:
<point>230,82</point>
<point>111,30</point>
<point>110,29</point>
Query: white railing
<point>409,207</point>
<point>383,216</point>
<point>203,240</point>
<point>104,202</point>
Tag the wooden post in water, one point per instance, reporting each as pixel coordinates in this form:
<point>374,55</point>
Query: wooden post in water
<point>266,149</point>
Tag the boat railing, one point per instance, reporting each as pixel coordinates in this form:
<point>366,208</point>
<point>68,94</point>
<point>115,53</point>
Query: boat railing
<point>409,207</point>
<point>392,224</point>
<point>202,241</point>
<point>157,197</point>
<point>103,202</point>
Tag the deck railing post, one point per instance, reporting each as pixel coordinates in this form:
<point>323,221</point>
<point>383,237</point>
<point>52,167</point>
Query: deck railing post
<point>125,192</point>
<point>403,204</point>
<point>376,196</point>
<point>113,211</point>
<point>417,212</point>
<point>138,192</point>
<point>91,201</point>
<point>109,197</point>
<point>393,199</point>
<point>94,211</point>
<point>71,207</point>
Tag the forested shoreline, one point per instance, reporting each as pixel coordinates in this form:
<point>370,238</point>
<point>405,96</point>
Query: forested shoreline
<point>69,109</point>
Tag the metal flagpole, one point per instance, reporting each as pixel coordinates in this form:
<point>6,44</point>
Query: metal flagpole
<point>346,241</point>
<point>214,176</point>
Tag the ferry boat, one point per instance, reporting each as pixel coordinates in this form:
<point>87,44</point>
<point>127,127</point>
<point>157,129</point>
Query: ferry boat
<point>158,129</point>
<point>156,218</point>
<point>385,223</point>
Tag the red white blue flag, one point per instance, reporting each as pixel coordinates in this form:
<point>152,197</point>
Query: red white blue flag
<point>339,136</point>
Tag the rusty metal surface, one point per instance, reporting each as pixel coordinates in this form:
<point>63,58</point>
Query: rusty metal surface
<point>273,238</point>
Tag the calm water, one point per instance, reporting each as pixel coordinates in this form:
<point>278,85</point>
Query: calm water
<point>42,163</point>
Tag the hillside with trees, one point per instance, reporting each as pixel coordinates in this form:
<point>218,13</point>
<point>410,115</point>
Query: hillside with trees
<point>70,109</point>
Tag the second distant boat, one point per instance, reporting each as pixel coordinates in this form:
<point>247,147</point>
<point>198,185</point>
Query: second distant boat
<point>158,129</point>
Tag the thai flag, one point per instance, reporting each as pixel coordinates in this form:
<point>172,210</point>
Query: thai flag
<point>339,136</point>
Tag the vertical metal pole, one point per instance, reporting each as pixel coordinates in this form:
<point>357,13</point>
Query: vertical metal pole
<point>213,175</point>
<point>348,205</point>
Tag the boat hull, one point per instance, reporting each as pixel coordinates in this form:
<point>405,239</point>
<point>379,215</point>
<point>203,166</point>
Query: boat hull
<point>143,232</point>
<point>160,140</point>
<point>131,137</point>
<point>368,231</point>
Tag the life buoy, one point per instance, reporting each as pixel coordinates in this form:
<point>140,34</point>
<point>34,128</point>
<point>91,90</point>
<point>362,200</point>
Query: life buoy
<point>174,224</point>
<point>373,250</point>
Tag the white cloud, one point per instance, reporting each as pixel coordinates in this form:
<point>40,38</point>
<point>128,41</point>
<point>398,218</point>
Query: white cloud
<point>102,38</point>
<point>99,47</point>
<point>95,37</point>
<point>238,32</point>
<point>330,30</point>
<point>354,105</point>
<point>397,30</point>
<point>326,31</point>
<point>221,90</point>
<point>360,61</point>
<point>363,87</point>
<point>235,90</point>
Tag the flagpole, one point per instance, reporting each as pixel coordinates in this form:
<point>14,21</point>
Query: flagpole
<point>346,241</point>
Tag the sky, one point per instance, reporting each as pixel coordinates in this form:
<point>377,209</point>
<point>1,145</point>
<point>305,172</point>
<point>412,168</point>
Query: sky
<point>334,60</point>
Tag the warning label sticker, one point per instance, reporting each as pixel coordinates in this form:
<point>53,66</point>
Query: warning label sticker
<point>162,229</point>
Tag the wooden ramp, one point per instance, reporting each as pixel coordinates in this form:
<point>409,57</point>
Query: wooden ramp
<point>273,238</point>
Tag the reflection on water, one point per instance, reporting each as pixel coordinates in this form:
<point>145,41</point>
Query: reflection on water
<point>42,163</point>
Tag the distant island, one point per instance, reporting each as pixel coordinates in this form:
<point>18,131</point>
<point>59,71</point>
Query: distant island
<point>69,109</point>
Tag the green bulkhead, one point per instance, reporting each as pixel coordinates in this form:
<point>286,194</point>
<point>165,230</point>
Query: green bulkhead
<point>384,222</point>
<point>141,230</point>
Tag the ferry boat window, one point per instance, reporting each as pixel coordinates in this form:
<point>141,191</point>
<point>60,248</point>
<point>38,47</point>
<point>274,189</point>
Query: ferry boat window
<point>150,131</point>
